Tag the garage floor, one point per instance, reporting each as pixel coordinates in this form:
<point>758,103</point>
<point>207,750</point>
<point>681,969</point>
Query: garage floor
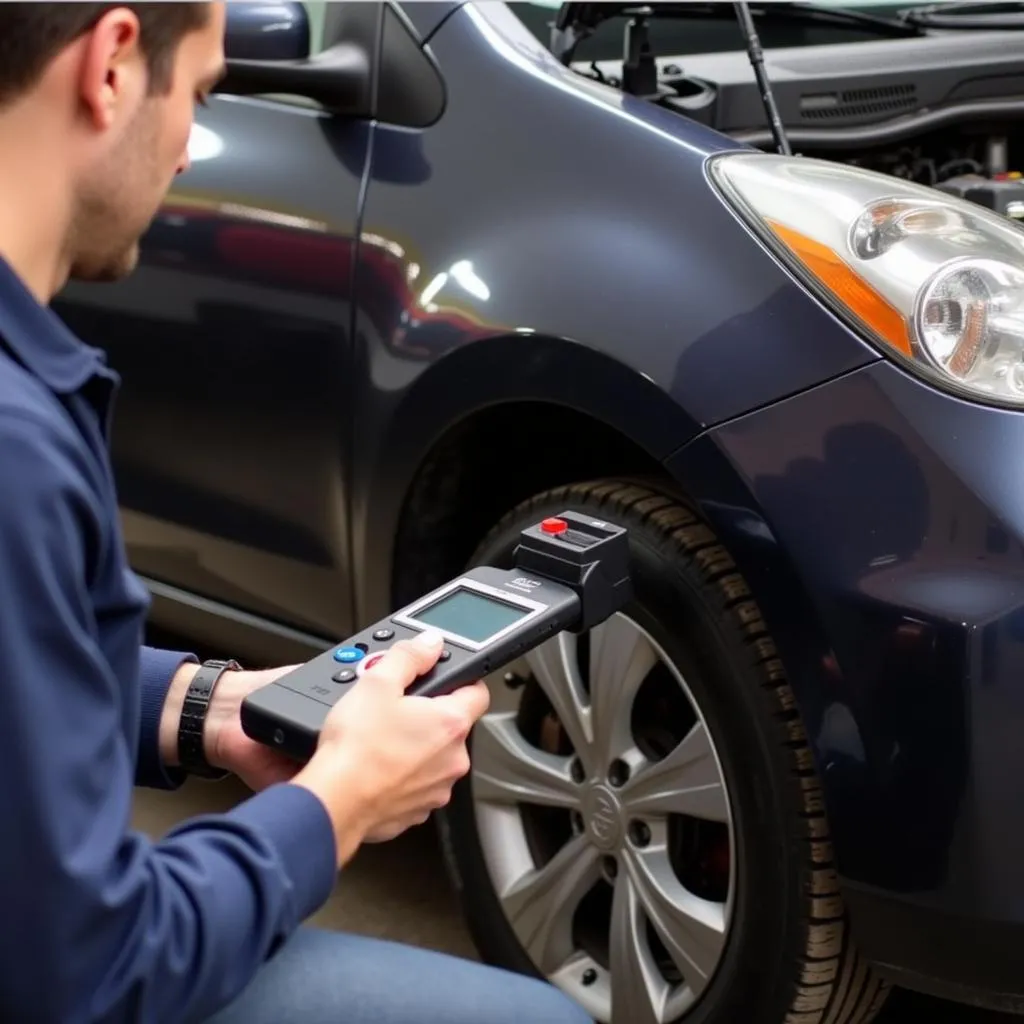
<point>397,891</point>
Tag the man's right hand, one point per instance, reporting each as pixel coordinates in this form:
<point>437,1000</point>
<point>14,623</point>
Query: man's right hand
<point>386,760</point>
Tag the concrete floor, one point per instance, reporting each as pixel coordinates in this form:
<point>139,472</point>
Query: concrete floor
<point>399,891</point>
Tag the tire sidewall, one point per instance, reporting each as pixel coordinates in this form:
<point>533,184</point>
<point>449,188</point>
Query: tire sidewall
<point>689,618</point>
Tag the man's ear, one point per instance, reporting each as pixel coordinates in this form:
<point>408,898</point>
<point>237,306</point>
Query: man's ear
<point>112,72</point>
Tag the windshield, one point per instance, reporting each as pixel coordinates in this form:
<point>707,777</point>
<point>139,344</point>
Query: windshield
<point>696,34</point>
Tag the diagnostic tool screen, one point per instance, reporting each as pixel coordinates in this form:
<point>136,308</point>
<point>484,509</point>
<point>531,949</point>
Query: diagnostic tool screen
<point>469,614</point>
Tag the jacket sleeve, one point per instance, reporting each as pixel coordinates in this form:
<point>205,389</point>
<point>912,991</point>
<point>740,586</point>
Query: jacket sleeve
<point>156,670</point>
<point>100,922</point>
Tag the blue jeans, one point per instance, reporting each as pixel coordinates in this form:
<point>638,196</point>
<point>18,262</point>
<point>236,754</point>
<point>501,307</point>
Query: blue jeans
<point>322,977</point>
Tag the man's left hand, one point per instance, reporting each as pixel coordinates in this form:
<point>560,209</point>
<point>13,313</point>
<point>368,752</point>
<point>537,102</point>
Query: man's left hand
<point>228,747</point>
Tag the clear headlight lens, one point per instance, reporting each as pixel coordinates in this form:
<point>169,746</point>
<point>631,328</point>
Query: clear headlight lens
<point>938,282</point>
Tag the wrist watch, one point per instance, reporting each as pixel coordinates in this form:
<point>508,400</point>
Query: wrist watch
<point>191,752</point>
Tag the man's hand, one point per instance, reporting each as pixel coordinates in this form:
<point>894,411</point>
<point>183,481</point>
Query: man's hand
<point>225,744</point>
<point>386,760</point>
<point>228,747</point>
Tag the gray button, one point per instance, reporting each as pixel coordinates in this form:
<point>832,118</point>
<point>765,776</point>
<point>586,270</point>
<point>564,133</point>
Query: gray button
<point>383,634</point>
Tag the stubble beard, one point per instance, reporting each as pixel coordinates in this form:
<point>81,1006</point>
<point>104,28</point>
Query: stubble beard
<point>116,204</point>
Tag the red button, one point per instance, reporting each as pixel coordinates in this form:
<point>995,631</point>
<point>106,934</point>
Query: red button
<point>370,662</point>
<point>554,526</point>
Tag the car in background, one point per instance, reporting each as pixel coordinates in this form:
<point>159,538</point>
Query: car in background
<point>437,271</point>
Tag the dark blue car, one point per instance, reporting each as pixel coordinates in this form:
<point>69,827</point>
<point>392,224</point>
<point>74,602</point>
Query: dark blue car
<point>472,264</point>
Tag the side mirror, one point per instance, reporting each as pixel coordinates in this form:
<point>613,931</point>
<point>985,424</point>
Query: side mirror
<point>266,31</point>
<point>359,39</point>
<point>267,46</point>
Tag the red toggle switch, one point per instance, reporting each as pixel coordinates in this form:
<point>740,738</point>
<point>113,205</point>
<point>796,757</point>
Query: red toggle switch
<point>554,526</point>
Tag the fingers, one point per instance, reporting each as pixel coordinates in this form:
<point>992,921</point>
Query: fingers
<point>457,712</point>
<point>469,701</point>
<point>407,660</point>
<point>393,829</point>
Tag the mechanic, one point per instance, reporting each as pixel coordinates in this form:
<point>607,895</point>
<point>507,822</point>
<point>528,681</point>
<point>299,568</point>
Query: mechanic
<point>100,922</point>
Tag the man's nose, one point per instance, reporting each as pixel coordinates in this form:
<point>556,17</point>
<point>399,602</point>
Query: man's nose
<point>183,164</point>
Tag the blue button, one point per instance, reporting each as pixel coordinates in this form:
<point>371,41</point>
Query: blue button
<point>348,655</point>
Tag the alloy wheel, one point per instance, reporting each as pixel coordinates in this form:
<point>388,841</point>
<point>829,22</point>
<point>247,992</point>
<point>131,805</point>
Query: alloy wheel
<point>604,820</point>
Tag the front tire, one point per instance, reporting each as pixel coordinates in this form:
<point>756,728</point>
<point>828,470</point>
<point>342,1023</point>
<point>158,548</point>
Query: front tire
<point>643,824</point>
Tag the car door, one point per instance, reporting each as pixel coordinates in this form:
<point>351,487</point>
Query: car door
<point>232,338</point>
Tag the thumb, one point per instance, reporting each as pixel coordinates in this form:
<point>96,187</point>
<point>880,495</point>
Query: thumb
<point>406,660</point>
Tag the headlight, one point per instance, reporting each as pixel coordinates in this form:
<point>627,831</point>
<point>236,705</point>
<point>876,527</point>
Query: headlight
<point>934,280</point>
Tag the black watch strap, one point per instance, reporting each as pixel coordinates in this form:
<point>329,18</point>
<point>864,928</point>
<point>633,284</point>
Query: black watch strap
<point>191,754</point>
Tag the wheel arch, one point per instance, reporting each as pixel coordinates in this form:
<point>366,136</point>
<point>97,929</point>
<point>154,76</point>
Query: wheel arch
<point>484,427</point>
<point>523,418</point>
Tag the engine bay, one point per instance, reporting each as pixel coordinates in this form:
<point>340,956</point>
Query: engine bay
<point>941,108</point>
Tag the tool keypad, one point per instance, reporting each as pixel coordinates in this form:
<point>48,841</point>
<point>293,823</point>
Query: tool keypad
<point>340,667</point>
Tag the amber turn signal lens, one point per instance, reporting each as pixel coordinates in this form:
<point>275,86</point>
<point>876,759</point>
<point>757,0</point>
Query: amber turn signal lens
<point>860,299</point>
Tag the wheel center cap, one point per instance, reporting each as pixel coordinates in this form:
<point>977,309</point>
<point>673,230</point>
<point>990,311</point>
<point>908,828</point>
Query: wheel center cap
<point>603,820</point>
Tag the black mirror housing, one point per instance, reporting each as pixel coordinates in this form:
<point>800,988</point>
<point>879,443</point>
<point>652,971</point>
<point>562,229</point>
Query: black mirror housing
<point>338,79</point>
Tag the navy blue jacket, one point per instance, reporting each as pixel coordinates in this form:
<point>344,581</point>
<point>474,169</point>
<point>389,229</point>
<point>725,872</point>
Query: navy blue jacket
<point>99,923</point>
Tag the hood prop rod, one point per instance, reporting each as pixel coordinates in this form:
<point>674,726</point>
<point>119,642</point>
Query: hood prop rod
<point>757,63</point>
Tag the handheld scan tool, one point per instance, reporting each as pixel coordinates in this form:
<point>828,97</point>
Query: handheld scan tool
<point>571,573</point>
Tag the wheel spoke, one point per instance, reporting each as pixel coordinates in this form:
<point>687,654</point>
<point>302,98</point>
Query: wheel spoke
<point>620,659</point>
<point>688,781</point>
<point>639,991</point>
<point>540,904</point>
<point>556,670</point>
<point>692,929</point>
<point>507,768</point>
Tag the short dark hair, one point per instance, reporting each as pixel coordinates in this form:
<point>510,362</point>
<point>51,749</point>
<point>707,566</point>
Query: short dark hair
<point>33,34</point>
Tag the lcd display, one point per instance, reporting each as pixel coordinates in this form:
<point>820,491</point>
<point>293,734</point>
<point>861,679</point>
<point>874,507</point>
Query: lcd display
<point>471,615</point>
